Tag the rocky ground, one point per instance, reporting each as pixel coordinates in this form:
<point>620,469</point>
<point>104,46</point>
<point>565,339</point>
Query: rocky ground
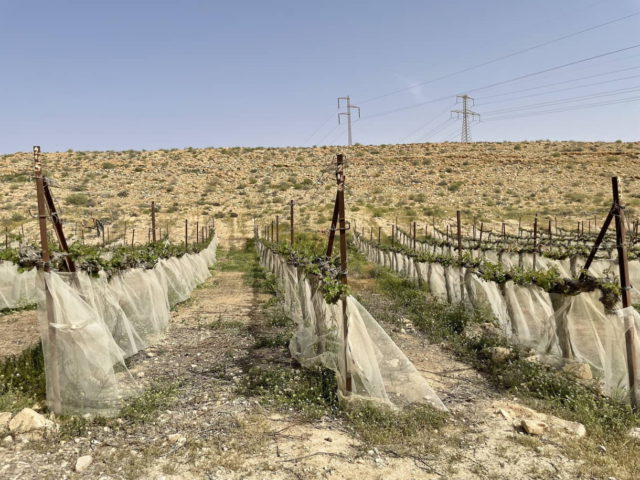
<point>192,422</point>
<point>486,181</point>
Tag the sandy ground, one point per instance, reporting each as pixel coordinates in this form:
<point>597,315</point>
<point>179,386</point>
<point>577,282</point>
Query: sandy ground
<point>18,331</point>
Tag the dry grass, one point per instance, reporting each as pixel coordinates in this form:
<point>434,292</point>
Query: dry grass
<point>488,181</point>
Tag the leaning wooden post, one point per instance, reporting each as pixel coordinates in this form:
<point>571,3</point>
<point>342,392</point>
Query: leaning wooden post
<point>343,268</point>
<point>153,222</point>
<point>292,232</point>
<point>625,284</point>
<point>52,369</point>
<point>459,232</point>
<point>535,240</point>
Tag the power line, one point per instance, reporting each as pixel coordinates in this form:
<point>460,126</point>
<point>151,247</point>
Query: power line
<point>562,82</point>
<point>318,129</point>
<point>560,90</point>
<point>564,109</point>
<point>329,133</point>
<point>549,42</point>
<point>606,93</point>
<point>424,125</point>
<point>437,129</point>
<point>557,67</point>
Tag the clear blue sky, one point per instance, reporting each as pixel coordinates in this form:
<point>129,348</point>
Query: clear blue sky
<point>120,74</point>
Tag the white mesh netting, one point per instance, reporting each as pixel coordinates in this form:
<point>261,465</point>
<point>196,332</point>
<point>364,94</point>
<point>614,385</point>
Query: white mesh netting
<point>17,289</point>
<point>571,328</point>
<point>379,370</point>
<point>89,326</point>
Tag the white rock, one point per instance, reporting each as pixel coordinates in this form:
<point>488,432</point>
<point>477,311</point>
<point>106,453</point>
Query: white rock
<point>635,433</point>
<point>28,421</point>
<point>533,427</point>
<point>8,440</point>
<point>83,463</point>
<point>4,421</point>
<point>176,438</point>
<point>579,370</point>
<point>499,354</point>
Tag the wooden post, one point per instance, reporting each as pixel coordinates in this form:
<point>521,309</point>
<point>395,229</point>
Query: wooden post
<point>520,227</point>
<point>291,234</point>
<point>277,228</point>
<point>459,232</point>
<point>414,235</point>
<point>379,234</point>
<point>133,236</point>
<point>481,230</point>
<point>535,241</point>
<point>53,367</point>
<point>393,234</point>
<point>153,222</point>
<point>124,236</point>
<point>186,235</point>
<point>625,284</point>
<point>343,269</point>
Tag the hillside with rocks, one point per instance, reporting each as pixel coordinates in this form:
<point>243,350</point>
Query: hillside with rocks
<point>489,182</point>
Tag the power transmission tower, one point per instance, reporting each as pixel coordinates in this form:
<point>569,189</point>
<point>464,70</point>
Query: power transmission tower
<point>347,113</point>
<point>466,113</point>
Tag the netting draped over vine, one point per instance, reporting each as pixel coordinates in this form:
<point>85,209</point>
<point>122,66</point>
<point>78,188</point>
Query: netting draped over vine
<point>379,370</point>
<point>17,288</point>
<point>560,328</point>
<point>89,326</point>
<point>568,267</point>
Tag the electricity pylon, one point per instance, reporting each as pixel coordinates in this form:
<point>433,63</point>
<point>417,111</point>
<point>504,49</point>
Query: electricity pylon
<point>347,113</point>
<point>465,137</point>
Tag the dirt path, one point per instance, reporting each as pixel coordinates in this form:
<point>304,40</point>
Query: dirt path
<point>18,331</point>
<point>207,430</point>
